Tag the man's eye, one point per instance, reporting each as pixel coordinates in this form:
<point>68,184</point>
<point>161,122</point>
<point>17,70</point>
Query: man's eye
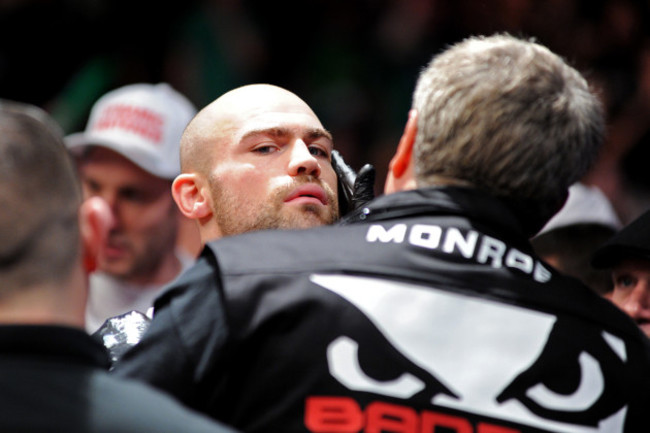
<point>92,188</point>
<point>625,281</point>
<point>133,195</point>
<point>317,151</point>
<point>265,149</point>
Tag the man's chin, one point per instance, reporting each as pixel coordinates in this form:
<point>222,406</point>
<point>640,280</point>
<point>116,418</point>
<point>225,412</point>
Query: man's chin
<point>114,268</point>
<point>309,216</point>
<point>287,218</point>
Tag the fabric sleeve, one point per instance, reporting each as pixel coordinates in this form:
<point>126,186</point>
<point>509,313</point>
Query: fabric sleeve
<point>188,327</point>
<point>129,407</point>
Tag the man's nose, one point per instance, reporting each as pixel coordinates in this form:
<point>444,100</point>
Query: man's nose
<point>637,304</point>
<point>113,207</point>
<point>302,162</point>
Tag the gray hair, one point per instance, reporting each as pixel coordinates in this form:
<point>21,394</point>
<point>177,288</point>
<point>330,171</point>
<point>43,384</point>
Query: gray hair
<point>507,116</point>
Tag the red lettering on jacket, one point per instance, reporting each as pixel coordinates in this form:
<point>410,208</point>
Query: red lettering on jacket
<point>382,417</point>
<point>344,415</point>
<point>333,415</point>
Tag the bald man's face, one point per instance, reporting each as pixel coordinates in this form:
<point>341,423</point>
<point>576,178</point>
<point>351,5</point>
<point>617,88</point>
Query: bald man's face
<point>271,167</point>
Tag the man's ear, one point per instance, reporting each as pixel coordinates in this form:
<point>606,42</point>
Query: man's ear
<point>95,219</point>
<point>400,169</point>
<point>190,197</point>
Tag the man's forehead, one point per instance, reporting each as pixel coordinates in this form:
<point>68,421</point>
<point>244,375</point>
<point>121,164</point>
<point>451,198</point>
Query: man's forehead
<point>298,124</point>
<point>277,112</point>
<point>252,109</point>
<point>261,102</point>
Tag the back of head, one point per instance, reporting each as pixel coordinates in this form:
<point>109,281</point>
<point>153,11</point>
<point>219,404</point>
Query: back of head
<point>507,116</point>
<point>39,200</point>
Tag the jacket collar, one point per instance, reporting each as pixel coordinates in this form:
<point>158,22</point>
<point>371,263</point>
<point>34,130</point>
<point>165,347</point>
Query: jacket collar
<point>71,345</point>
<point>515,218</point>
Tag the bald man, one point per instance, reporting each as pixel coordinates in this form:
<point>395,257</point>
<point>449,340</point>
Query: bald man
<point>256,158</point>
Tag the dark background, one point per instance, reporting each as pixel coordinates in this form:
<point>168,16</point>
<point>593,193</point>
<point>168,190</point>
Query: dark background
<point>353,61</point>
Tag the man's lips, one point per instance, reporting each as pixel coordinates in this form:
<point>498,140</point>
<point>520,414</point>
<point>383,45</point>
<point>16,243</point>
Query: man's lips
<point>307,194</point>
<point>114,250</point>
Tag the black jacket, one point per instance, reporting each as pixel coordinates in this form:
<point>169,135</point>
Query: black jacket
<point>54,380</point>
<point>427,309</point>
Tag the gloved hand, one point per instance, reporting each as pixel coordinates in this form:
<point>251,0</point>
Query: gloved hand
<point>354,189</point>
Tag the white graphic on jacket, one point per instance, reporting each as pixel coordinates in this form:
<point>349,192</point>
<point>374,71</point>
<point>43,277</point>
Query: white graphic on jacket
<point>488,354</point>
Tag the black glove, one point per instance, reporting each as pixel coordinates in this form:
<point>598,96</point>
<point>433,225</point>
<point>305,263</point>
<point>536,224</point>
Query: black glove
<point>355,189</point>
<point>120,333</point>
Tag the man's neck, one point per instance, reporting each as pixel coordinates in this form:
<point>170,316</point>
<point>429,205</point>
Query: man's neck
<point>165,272</point>
<point>44,305</point>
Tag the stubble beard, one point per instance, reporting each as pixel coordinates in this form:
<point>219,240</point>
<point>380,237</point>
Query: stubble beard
<point>234,219</point>
<point>141,266</point>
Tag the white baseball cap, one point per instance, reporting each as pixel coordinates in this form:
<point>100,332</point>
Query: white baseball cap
<point>142,122</point>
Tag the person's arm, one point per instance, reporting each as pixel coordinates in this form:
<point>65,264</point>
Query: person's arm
<point>188,321</point>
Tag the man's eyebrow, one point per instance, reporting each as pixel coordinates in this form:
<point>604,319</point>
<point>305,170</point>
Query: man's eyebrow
<point>279,132</point>
<point>316,133</point>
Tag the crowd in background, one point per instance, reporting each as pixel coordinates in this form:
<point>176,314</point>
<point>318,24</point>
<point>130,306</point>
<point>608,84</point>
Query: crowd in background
<point>354,61</point>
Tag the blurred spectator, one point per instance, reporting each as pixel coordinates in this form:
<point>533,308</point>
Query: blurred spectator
<point>568,241</point>
<point>627,256</point>
<point>52,374</point>
<point>129,155</point>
